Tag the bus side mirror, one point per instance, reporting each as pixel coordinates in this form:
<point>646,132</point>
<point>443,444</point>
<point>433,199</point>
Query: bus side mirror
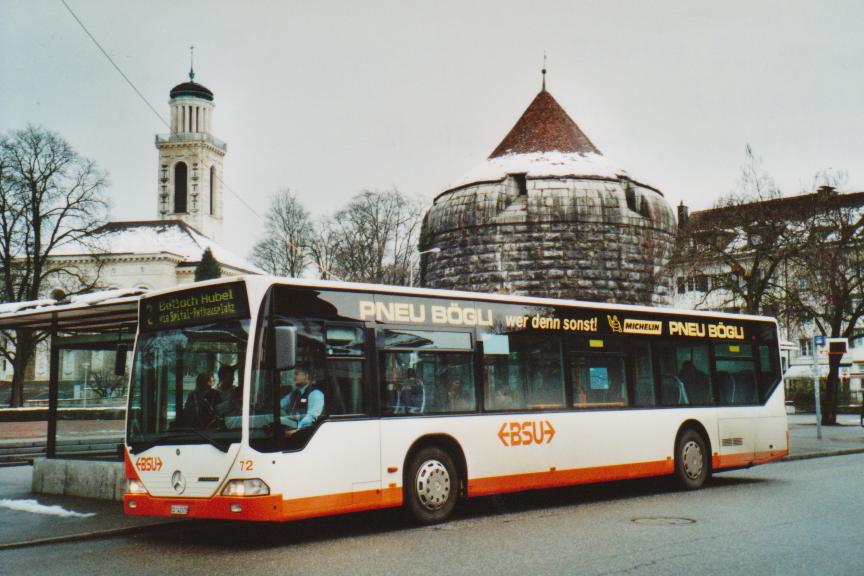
<point>120,360</point>
<point>285,356</point>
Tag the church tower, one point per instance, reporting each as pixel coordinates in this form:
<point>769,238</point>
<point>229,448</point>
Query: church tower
<point>190,162</point>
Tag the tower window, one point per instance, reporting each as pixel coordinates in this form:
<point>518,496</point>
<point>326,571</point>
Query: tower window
<point>212,190</point>
<point>180,172</point>
<point>630,195</point>
<point>521,183</point>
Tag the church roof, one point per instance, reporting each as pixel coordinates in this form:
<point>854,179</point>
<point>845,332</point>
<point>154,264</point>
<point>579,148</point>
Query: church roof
<point>192,89</point>
<point>544,127</point>
<point>156,237</point>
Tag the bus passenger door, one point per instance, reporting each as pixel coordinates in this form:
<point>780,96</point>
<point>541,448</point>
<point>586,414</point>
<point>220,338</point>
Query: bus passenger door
<point>356,445</point>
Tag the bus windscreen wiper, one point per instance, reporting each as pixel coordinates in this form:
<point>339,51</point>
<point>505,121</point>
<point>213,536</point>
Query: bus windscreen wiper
<point>200,434</point>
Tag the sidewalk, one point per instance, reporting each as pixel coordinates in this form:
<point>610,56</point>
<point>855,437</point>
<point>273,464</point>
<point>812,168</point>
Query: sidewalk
<point>46,518</point>
<point>36,524</point>
<point>846,438</point>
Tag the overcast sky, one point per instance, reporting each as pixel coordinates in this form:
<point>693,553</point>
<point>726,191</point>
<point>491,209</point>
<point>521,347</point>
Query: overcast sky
<point>331,98</point>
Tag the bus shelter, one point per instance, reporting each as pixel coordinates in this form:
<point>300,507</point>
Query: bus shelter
<point>90,339</point>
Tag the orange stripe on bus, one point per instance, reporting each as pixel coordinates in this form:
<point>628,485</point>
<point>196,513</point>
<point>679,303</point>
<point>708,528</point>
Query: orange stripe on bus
<point>265,508</point>
<point>552,479</point>
<point>274,508</point>
<point>312,506</point>
<point>749,458</point>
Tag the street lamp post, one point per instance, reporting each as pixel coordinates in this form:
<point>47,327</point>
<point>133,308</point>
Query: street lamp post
<point>818,342</point>
<point>411,272</point>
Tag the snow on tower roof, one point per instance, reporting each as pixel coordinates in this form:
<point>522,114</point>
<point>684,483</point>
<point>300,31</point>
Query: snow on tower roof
<point>544,142</point>
<point>156,237</point>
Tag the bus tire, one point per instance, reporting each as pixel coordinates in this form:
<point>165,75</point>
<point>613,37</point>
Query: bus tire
<point>431,486</point>
<point>691,460</point>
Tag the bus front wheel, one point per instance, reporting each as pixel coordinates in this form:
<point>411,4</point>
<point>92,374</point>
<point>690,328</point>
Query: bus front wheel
<point>431,486</point>
<point>691,460</point>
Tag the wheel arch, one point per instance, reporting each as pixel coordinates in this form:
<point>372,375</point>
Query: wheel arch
<point>693,424</point>
<point>445,442</point>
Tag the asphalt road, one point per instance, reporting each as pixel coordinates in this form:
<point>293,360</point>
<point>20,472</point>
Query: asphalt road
<point>803,517</point>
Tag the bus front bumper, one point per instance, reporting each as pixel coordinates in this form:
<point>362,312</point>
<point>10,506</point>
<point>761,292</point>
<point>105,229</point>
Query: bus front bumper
<point>257,508</point>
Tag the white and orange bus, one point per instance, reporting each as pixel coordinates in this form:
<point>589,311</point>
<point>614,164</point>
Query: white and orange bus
<point>332,397</point>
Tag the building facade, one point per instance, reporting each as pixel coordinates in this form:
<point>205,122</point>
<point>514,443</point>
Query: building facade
<point>749,244</point>
<point>163,252</point>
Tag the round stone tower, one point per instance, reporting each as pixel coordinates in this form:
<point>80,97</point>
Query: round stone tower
<point>548,215</point>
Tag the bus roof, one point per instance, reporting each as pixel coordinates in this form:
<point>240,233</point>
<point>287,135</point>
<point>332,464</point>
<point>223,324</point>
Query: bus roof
<point>264,281</point>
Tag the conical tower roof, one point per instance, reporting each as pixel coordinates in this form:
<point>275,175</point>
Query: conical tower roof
<point>544,127</point>
<point>545,142</point>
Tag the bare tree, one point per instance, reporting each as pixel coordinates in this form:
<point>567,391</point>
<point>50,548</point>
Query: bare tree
<point>736,251</point>
<point>50,197</point>
<point>829,291</point>
<point>323,248</point>
<point>374,238</point>
<point>284,249</point>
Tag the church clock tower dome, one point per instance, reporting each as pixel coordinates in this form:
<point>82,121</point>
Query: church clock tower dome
<point>190,161</point>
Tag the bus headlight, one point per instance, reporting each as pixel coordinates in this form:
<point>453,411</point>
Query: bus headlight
<point>252,487</point>
<point>135,487</point>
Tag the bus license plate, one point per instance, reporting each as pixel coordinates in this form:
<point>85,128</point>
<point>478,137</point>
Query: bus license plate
<point>179,509</point>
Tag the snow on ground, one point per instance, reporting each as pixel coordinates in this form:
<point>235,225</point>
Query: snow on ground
<point>36,508</point>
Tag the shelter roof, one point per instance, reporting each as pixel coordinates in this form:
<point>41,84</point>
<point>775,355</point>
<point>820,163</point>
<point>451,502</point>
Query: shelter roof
<point>107,311</point>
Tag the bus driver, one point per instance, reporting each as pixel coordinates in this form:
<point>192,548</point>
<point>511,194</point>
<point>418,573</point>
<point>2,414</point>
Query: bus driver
<point>305,403</point>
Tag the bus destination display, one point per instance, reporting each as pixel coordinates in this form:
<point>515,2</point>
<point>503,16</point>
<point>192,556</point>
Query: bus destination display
<point>194,306</point>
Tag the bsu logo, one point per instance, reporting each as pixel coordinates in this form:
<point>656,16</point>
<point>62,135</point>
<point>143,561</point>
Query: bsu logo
<point>526,433</point>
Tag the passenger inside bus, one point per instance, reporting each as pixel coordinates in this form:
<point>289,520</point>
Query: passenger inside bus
<point>199,411</point>
<point>231,405</point>
<point>305,404</point>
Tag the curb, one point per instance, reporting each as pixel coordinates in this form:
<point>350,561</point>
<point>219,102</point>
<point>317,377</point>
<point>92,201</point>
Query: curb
<point>125,531</point>
<point>812,455</point>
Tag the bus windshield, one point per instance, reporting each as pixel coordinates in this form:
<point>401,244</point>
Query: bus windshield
<point>187,385</point>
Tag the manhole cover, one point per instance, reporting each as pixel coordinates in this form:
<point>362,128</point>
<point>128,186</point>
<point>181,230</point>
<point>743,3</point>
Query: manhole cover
<point>664,521</point>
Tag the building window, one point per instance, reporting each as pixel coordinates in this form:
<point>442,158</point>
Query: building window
<point>806,346</point>
<point>702,283</point>
<point>682,285</point>
<point>212,190</point>
<point>180,173</point>
<point>630,195</point>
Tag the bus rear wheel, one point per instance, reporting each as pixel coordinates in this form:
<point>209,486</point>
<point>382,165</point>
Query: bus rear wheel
<point>691,460</point>
<point>431,486</point>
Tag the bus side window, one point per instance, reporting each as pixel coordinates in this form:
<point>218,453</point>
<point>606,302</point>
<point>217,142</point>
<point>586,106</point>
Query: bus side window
<point>523,371</point>
<point>736,374</point>
<point>685,378</point>
<point>769,372</point>
<point>643,374</point>
<point>597,372</point>
<point>342,380</point>
<point>426,372</point>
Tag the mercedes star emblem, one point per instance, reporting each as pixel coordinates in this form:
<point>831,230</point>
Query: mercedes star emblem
<point>178,482</point>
